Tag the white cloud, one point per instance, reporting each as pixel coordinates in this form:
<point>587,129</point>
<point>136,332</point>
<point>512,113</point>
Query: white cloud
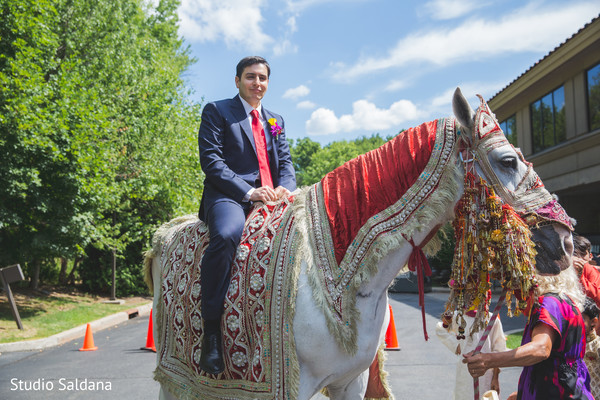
<point>236,22</point>
<point>365,116</point>
<point>284,46</point>
<point>297,92</point>
<point>291,23</point>
<point>395,85</point>
<point>306,105</point>
<point>450,9</point>
<point>529,29</point>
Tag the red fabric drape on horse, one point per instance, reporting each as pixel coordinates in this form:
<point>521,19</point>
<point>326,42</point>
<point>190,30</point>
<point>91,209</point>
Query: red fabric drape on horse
<point>358,184</point>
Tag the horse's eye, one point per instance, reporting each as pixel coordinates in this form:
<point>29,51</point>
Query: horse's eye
<point>509,162</point>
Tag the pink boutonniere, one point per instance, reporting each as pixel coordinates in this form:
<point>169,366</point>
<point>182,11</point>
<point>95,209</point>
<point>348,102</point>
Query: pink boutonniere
<point>276,130</point>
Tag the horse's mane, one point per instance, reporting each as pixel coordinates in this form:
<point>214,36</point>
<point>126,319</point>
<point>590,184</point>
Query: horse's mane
<point>368,184</point>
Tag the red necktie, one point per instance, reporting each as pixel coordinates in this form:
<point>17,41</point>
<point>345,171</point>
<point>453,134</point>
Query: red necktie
<point>261,150</point>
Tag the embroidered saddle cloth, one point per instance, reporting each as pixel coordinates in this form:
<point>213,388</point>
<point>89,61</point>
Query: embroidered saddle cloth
<point>259,353</point>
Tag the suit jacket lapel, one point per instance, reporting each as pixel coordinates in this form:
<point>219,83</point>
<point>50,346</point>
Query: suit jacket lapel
<point>240,113</point>
<point>268,115</point>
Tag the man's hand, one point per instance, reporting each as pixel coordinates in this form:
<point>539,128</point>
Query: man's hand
<point>281,192</point>
<point>267,193</point>
<point>264,194</point>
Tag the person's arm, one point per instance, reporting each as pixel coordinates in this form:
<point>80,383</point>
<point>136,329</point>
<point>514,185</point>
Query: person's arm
<point>530,353</point>
<point>210,144</point>
<point>448,336</point>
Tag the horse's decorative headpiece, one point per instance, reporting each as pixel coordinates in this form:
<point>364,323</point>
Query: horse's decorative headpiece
<point>530,199</point>
<point>493,225</point>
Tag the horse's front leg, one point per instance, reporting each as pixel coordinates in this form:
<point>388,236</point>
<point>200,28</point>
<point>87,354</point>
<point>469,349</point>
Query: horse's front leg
<point>354,390</point>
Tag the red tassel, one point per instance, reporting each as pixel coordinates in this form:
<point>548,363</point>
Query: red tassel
<point>418,262</point>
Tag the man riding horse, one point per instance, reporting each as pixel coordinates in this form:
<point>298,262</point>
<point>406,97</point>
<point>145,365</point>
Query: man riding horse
<point>242,165</point>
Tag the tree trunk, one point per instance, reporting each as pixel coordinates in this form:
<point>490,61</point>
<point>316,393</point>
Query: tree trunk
<point>62,276</point>
<point>71,278</point>
<point>113,289</point>
<point>35,276</point>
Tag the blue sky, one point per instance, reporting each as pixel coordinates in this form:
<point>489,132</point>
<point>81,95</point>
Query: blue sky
<point>341,69</point>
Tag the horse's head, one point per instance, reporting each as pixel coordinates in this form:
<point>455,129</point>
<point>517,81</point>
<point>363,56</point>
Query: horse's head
<point>486,152</point>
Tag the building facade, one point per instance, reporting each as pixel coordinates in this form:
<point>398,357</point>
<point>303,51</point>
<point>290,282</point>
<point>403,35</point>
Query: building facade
<point>552,112</point>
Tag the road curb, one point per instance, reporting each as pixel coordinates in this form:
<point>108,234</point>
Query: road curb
<point>79,331</point>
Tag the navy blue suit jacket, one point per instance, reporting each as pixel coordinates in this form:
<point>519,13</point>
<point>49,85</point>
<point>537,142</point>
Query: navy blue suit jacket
<point>228,153</point>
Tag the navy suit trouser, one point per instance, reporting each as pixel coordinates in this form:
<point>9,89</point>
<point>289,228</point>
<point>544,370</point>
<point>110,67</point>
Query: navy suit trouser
<point>225,220</point>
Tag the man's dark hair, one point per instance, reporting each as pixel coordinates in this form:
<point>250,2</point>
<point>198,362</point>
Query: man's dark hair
<point>248,61</point>
<point>581,245</point>
<point>590,309</point>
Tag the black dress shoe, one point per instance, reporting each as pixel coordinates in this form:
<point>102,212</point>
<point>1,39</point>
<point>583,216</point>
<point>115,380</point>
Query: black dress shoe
<point>211,358</point>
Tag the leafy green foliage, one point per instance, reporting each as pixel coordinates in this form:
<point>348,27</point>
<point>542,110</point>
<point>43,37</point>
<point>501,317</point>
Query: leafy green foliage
<point>312,162</point>
<point>441,263</point>
<point>97,132</point>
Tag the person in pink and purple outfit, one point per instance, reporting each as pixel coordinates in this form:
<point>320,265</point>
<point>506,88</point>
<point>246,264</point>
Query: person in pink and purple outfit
<point>553,345</point>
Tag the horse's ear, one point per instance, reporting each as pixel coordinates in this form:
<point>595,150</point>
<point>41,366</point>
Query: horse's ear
<point>462,110</point>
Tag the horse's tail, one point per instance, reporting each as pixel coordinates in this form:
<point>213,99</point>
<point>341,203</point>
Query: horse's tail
<point>157,241</point>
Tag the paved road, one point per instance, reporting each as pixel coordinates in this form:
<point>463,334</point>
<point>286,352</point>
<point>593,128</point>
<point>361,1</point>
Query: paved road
<point>425,370</point>
<point>118,362</point>
<point>420,370</point>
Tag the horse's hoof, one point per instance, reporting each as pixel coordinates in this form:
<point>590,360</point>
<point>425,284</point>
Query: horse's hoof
<point>211,358</point>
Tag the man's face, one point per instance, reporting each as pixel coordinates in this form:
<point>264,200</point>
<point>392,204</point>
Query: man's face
<point>253,84</point>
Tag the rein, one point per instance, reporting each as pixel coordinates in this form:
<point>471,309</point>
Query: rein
<point>484,337</point>
<point>418,262</point>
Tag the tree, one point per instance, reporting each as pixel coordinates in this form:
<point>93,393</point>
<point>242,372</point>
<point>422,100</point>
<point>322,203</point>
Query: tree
<point>302,152</point>
<point>94,121</point>
<point>312,162</point>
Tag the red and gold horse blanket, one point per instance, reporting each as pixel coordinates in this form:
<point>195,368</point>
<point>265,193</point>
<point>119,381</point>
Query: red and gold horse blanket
<point>257,327</point>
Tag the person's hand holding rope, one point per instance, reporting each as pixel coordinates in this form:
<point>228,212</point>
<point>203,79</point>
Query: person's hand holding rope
<point>476,363</point>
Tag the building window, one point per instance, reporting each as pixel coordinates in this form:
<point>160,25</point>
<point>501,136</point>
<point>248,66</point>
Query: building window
<point>548,120</point>
<point>509,126</point>
<point>593,86</point>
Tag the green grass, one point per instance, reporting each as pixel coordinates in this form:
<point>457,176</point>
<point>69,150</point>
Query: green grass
<point>45,315</point>
<point>514,340</point>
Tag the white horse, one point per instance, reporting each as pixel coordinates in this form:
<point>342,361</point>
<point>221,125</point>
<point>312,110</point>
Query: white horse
<point>340,362</point>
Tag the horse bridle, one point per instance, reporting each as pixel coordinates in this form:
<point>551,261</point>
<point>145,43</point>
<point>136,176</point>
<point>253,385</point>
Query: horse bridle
<point>530,199</point>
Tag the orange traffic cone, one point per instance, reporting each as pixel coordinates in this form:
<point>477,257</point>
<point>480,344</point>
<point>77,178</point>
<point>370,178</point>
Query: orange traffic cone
<point>391,340</point>
<point>88,341</point>
<point>149,337</point>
